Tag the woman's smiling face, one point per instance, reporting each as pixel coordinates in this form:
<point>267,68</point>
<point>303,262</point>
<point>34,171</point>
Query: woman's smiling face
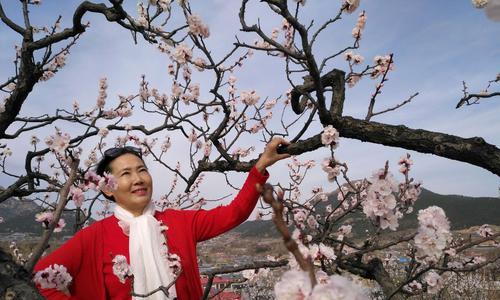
<point>135,185</point>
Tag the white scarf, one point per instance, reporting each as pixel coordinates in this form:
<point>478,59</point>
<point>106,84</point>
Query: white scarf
<point>148,252</point>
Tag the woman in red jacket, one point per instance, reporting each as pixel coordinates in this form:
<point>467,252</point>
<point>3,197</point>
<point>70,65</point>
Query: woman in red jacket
<point>156,250</point>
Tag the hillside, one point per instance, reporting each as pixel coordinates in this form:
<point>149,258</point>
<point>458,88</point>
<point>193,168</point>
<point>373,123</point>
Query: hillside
<point>19,216</point>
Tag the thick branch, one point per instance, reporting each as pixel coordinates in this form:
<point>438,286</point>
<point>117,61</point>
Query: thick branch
<point>10,23</point>
<point>111,13</point>
<point>476,97</point>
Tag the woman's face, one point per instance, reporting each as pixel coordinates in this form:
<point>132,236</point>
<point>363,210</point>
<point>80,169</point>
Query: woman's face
<point>135,185</point>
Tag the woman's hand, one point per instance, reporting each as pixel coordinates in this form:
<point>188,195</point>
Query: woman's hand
<point>270,154</point>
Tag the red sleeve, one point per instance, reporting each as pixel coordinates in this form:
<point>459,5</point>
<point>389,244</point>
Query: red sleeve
<point>68,255</point>
<point>207,224</point>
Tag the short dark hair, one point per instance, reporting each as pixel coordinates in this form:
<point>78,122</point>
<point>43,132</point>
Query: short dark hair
<point>110,155</point>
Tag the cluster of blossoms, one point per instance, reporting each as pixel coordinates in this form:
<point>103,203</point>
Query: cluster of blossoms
<point>479,3</point>
<point>384,64</point>
<point>197,27</point>
<point>405,163</point>
<point>249,97</point>
<point>288,31</point>
<point>58,143</point>
<point>162,4</point>
<point>121,268</point>
<point>53,277</point>
<point>433,233</point>
<point>242,153</point>
<point>57,63</point>
<point>18,255</point>
<point>46,217</point>
<point>92,181</point>
<point>260,124</point>
<point>297,285</point>
<point>343,231</point>
<point>330,137</point>
<point>142,15</point>
<point>360,25</point>
<point>192,94</point>
<point>102,95</point>
<point>380,202</point>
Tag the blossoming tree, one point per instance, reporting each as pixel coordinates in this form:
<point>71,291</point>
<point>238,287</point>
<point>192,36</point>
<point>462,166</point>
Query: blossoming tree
<point>59,170</point>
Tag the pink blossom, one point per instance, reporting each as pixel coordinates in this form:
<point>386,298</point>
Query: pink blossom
<point>311,221</point>
<point>197,27</point>
<point>142,19</point>
<point>54,276</point>
<point>207,148</point>
<point>103,132</point>
<point>44,217</point>
<point>270,104</point>
<point>1,220</point>
<point>330,137</point>
<point>345,229</point>
<point>77,196</point>
<point>124,112</point>
<point>405,162</point>
<point>162,4</point>
<point>300,215</point>
<point>121,268</point>
<point>241,153</point>
<point>60,225</point>
<point>166,144</point>
<point>176,90</point>
<point>249,97</point>
<point>331,168</point>
<point>192,137</point>
<point>384,64</point>
<point>413,286</point>
<point>200,64</point>
<point>182,53</point>
<point>434,282</point>
<point>108,181</point>
<point>352,80</point>
<point>91,180</point>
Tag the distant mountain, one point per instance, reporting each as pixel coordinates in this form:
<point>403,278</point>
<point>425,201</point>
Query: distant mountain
<point>462,211</point>
<point>19,216</point>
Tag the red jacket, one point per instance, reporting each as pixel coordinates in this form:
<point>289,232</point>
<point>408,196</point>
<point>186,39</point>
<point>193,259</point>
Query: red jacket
<point>84,257</point>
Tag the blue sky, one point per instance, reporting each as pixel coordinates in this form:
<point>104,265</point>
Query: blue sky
<point>436,45</point>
